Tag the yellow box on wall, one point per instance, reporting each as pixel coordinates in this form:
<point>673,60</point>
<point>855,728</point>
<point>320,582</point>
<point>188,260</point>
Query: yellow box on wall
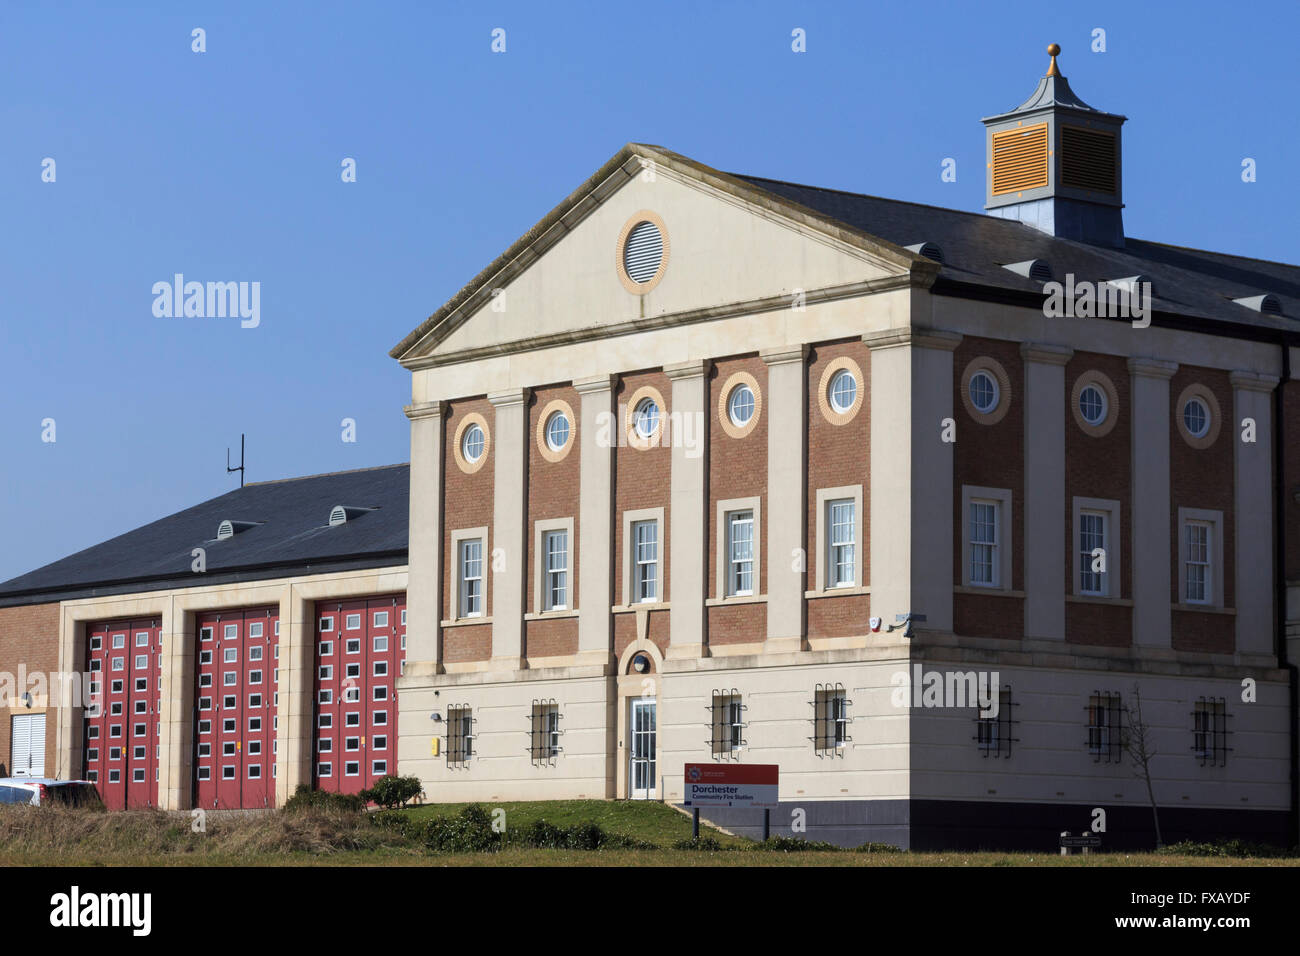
<point>433,746</point>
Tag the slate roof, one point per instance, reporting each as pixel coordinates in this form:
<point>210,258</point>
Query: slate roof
<point>292,536</point>
<point>975,246</point>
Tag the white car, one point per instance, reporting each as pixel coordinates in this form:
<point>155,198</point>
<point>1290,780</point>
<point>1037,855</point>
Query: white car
<point>45,790</point>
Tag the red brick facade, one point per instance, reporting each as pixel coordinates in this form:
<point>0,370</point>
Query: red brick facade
<point>990,456</point>
<point>29,640</point>
<point>838,455</point>
<point>554,489</point>
<point>737,469</point>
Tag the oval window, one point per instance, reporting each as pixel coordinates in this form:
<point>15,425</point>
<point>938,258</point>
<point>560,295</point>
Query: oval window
<point>740,405</point>
<point>1196,416</point>
<point>984,392</point>
<point>557,431</point>
<point>1093,405</point>
<point>843,390</point>
<point>471,445</point>
<point>646,419</point>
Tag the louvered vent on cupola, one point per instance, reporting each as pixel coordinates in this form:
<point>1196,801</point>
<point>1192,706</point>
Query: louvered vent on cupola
<point>1088,159</point>
<point>1020,159</point>
<point>228,528</point>
<point>927,249</point>
<point>1261,303</point>
<point>341,514</point>
<point>1036,269</point>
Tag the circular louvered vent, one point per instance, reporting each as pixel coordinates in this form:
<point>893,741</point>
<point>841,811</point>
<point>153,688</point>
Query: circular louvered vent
<point>338,516</point>
<point>225,530</point>
<point>643,252</point>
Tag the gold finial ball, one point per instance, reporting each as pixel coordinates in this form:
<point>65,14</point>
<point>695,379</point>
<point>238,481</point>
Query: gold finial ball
<point>1053,49</point>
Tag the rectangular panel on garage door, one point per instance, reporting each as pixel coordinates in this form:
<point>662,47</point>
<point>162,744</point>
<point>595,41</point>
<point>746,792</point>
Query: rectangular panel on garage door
<point>360,653</point>
<point>121,724</point>
<point>236,702</point>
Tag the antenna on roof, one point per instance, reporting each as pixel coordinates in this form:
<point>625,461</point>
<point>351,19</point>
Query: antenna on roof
<point>240,469</point>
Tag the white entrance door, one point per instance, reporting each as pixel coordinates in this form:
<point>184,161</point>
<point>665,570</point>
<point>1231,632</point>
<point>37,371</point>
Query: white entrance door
<point>641,771</point>
<point>27,745</point>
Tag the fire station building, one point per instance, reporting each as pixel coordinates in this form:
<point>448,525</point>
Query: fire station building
<point>713,467</point>
<point>931,508</point>
<point>226,654</point>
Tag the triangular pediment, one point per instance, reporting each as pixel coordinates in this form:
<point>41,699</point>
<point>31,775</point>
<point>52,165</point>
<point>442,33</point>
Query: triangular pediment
<point>727,246</point>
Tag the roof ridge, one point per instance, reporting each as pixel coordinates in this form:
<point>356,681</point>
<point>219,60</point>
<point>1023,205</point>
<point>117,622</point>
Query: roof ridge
<point>847,192</point>
<point>1212,252</point>
<point>984,215</point>
<point>325,474</point>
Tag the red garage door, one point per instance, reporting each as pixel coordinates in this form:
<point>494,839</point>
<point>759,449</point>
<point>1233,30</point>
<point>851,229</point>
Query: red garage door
<point>121,717</point>
<point>360,650</point>
<point>235,713</point>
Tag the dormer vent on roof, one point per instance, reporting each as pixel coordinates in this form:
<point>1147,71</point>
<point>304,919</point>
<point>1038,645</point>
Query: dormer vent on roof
<point>229,528</point>
<point>1037,269</point>
<point>1133,284</point>
<point>927,249</point>
<point>1261,303</point>
<point>341,514</point>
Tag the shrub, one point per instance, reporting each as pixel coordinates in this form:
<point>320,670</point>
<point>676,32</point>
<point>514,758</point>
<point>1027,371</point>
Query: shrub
<point>877,848</point>
<point>580,836</point>
<point>392,791</point>
<point>705,843</point>
<point>780,844</point>
<point>470,831</point>
<point>305,798</point>
<point>1223,848</point>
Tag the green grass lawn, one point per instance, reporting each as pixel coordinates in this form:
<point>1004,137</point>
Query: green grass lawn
<point>640,819</point>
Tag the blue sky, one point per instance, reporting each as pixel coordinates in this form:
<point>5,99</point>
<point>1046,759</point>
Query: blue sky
<point>225,166</point>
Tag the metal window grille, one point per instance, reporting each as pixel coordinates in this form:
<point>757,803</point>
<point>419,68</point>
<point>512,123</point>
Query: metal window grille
<point>995,735</point>
<point>1210,731</point>
<point>1105,727</point>
<point>460,735</point>
<point>727,724</point>
<point>544,733</point>
<point>831,720</point>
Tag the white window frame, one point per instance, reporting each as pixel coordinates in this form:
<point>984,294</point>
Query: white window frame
<point>1214,573</point>
<point>459,538</point>
<point>723,580</point>
<point>630,520</point>
<point>541,570</point>
<point>824,498</point>
<point>1002,567</point>
<point>1113,543</point>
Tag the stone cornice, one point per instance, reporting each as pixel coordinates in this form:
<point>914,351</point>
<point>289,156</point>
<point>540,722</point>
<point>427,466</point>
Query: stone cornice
<point>425,410</point>
<point>1152,368</point>
<point>1045,354</point>
<point>786,356</point>
<point>695,368</point>
<point>509,397</point>
<point>915,336</point>
<point>1253,381</point>
<point>596,383</point>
